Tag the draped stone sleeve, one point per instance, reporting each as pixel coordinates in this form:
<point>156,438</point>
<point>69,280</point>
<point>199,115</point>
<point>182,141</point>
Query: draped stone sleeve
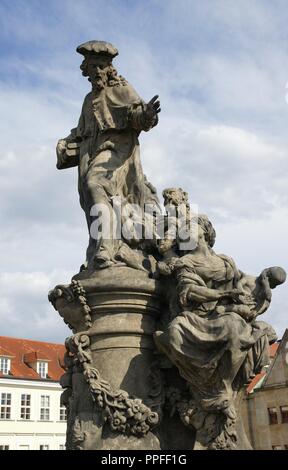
<point>121,107</point>
<point>190,286</point>
<point>138,120</point>
<point>68,158</point>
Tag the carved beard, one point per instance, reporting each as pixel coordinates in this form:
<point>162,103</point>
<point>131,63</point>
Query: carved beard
<point>100,80</point>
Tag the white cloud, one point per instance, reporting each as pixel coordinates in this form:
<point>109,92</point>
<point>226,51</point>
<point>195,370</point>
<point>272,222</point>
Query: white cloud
<point>24,308</point>
<point>256,244</point>
<point>247,146</point>
<point>226,170</point>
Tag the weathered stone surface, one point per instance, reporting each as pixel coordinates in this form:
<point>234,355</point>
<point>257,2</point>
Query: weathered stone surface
<point>212,336</point>
<point>105,148</point>
<point>165,335</point>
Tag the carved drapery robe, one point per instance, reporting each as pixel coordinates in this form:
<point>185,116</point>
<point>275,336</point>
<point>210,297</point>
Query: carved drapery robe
<point>109,162</point>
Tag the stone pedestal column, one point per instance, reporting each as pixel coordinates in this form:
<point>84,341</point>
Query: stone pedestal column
<point>113,384</point>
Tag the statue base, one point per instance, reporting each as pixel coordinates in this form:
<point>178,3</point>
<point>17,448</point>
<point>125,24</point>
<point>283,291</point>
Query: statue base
<point>114,389</point>
<point>116,386</point>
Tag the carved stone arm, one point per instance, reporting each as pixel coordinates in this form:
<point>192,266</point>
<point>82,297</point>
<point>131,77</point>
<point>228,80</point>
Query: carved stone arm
<point>144,116</point>
<point>202,294</point>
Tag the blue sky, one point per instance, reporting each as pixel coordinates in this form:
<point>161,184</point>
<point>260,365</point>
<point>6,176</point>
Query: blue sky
<point>221,69</point>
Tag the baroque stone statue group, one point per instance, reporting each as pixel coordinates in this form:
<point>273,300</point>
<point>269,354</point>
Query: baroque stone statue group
<point>165,330</point>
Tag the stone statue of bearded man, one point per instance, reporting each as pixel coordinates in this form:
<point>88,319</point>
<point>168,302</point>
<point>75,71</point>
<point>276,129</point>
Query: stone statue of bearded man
<point>105,145</point>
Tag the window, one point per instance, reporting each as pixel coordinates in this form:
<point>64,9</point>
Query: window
<point>276,448</point>
<point>284,414</point>
<point>5,411</point>
<point>63,413</point>
<point>25,406</point>
<point>45,408</point>
<point>286,447</point>
<point>4,447</point>
<point>61,447</point>
<point>44,447</point>
<point>42,369</point>
<point>273,418</point>
<point>4,365</point>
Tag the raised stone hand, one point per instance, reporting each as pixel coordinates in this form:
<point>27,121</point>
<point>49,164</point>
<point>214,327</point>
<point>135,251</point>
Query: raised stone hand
<point>151,111</point>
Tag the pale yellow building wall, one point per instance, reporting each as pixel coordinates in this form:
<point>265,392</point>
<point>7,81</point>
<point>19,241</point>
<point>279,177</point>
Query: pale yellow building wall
<point>273,393</point>
<point>30,434</point>
<point>260,432</point>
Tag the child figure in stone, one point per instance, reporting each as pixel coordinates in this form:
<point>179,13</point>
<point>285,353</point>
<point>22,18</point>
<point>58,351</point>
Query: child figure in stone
<point>257,294</point>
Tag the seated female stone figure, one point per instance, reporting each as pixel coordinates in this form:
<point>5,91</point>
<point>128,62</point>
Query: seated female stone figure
<point>202,277</point>
<point>211,336</point>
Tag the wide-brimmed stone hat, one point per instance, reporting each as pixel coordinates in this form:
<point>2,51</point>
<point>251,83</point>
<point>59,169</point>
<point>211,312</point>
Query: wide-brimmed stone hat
<point>97,47</point>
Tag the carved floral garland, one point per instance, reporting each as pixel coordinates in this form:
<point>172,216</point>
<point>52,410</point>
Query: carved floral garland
<point>79,291</point>
<point>74,291</point>
<point>125,414</point>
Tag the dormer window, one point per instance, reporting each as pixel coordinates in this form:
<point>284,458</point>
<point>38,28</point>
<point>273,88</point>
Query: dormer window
<point>42,369</point>
<point>38,362</point>
<point>5,365</point>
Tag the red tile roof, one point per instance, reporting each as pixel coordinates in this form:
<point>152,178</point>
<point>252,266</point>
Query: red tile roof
<point>258,377</point>
<point>4,352</point>
<point>34,356</point>
<point>19,349</point>
<point>273,349</point>
<point>255,381</point>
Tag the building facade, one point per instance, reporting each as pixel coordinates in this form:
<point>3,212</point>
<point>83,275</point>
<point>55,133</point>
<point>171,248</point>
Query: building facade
<point>265,407</point>
<point>31,415</point>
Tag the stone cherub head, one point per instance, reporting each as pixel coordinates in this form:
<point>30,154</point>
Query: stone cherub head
<point>269,279</point>
<point>175,197</point>
<point>274,275</point>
